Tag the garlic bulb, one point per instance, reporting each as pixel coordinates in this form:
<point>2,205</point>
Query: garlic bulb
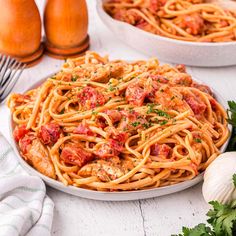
<point>218,182</point>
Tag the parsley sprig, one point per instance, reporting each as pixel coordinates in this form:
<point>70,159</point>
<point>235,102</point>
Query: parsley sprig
<point>221,220</point>
<point>232,120</point>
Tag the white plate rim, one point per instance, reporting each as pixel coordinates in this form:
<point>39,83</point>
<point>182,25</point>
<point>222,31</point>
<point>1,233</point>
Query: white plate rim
<point>112,196</point>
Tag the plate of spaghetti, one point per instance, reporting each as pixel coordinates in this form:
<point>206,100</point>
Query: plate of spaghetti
<point>191,32</point>
<point>117,130</point>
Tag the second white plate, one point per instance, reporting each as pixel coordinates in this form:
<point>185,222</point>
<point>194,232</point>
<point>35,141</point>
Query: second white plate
<point>170,50</point>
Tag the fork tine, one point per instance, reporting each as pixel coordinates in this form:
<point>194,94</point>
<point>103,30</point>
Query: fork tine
<point>2,64</point>
<point>13,79</point>
<point>4,69</point>
<point>9,80</point>
<point>13,63</point>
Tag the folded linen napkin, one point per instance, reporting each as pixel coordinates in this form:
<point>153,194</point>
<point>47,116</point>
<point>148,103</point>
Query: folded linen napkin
<point>24,207</point>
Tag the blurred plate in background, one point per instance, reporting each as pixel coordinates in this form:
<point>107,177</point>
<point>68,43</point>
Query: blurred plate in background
<point>170,50</point>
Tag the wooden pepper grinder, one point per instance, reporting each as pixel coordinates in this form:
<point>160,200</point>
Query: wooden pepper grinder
<point>66,27</point>
<point>20,30</point>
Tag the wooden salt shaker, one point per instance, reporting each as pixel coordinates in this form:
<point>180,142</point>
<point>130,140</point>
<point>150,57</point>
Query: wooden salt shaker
<point>20,30</point>
<point>66,27</point>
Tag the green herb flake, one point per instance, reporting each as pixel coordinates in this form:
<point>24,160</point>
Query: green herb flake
<point>135,124</point>
<point>162,113</point>
<point>197,140</point>
<point>74,78</point>
<point>62,111</point>
<point>94,112</point>
<point>234,180</point>
<point>147,125</point>
<point>163,122</point>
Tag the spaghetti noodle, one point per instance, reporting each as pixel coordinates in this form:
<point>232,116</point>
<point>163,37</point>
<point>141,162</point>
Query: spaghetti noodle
<point>114,125</point>
<point>189,20</point>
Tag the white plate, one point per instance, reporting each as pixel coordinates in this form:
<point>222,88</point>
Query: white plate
<point>171,50</point>
<point>110,196</point>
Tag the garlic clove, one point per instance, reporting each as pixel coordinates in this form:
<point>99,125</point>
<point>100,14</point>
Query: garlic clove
<point>218,183</point>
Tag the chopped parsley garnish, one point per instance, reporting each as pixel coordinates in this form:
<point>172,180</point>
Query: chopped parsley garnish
<point>157,111</point>
<point>147,125</point>
<point>135,124</point>
<point>162,113</point>
<point>163,122</point>
<point>150,108</point>
<point>74,78</point>
<point>197,140</point>
<point>112,88</point>
<point>94,112</point>
<point>62,111</point>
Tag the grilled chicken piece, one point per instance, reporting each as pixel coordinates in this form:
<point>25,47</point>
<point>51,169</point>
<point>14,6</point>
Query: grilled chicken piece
<point>38,156</point>
<point>104,73</point>
<point>104,170</point>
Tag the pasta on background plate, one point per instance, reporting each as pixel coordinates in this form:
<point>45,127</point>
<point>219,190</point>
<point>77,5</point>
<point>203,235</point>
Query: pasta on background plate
<point>188,20</point>
<point>117,125</point>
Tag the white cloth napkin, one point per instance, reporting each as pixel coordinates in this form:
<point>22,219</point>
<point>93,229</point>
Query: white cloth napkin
<point>25,210</point>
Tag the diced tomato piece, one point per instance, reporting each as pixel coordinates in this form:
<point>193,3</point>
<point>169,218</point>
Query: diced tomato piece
<point>159,79</point>
<point>182,80</point>
<point>224,23</point>
<point>120,137</point>
<point>197,107</point>
<point>75,155</point>
<point>19,132</point>
<point>128,16</point>
<point>83,129</point>
<point>135,95</point>
<point>25,143</point>
<point>146,26</point>
<point>91,98</point>
<point>101,122</point>
<point>162,150</point>
<point>203,88</point>
<point>49,133</point>
<point>116,145</point>
<point>181,68</point>
<point>193,23</point>
<point>156,4</point>
<point>117,141</point>
<point>114,115</point>
<point>213,103</point>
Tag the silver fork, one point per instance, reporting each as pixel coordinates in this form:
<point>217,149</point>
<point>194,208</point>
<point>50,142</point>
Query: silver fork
<point>10,71</point>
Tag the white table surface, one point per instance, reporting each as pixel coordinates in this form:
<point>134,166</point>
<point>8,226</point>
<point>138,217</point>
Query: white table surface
<point>161,216</point>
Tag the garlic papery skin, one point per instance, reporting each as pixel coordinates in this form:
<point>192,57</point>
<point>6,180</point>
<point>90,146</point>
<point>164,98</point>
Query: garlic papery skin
<point>218,182</point>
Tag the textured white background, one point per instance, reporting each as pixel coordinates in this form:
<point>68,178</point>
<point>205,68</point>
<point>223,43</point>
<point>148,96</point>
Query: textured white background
<point>161,216</point>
